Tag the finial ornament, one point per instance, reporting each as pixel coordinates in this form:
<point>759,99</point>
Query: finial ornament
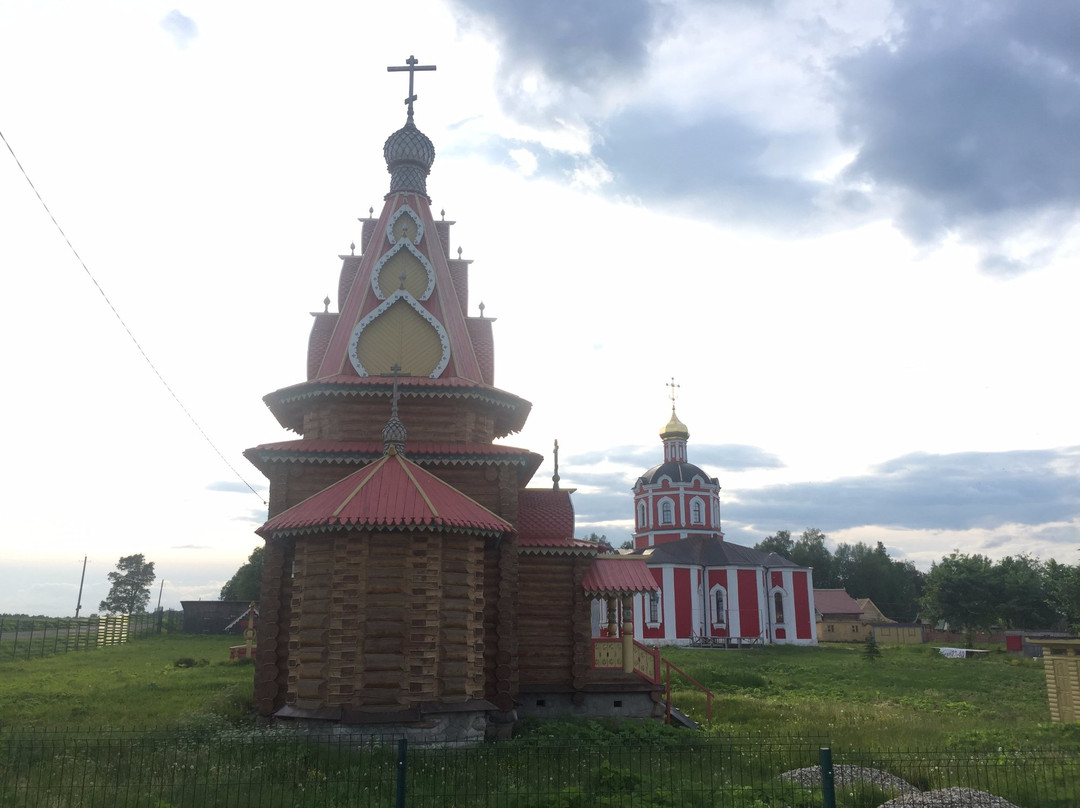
<point>411,66</point>
<point>394,433</point>
<point>482,307</point>
<point>371,213</point>
<point>352,248</point>
<point>673,387</point>
<point>555,476</point>
<point>326,304</point>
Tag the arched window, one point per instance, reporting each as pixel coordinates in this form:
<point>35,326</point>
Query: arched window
<point>653,607</point>
<point>697,512</point>
<point>667,513</point>
<point>719,606</point>
<point>642,512</point>
<point>778,607</point>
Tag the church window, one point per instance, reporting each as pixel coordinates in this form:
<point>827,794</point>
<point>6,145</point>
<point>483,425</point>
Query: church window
<point>667,513</point>
<point>778,607</point>
<point>719,604</point>
<point>653,605</point>
<point>697,512</point>
<point>642,512</point>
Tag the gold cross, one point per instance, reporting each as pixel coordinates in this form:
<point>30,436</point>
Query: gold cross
<point>673,387</point>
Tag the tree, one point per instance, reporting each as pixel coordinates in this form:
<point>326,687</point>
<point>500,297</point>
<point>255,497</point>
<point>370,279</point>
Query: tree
<point>961,591</point>
<point>130,591</point>
<point>779,543</point>
<point>810,551</point>
<point>1023,599</point>
<point>1063,592</point>
<point>246,583</point>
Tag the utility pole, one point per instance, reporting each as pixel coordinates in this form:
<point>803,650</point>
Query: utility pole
<point>78,605</point>
<point>159,594</point>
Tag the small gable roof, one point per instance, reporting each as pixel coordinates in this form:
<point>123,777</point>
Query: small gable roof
<point>392,492</point>
<point>618,575</point>
<point>835,601</point>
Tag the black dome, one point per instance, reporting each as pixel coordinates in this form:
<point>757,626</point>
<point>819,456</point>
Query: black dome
<point>677,472</point>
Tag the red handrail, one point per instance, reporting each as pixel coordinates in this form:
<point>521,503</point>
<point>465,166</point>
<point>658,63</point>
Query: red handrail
<point>667,695</point>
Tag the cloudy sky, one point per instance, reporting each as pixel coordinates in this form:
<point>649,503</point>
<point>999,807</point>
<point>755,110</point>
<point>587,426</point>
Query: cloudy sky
<point>847,229</point>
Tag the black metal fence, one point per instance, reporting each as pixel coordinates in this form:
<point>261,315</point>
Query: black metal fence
<point>28,637</point>
<point>281,769</point>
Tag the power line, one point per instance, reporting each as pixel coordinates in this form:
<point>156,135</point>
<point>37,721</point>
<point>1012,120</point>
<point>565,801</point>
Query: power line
<point>124,325</point>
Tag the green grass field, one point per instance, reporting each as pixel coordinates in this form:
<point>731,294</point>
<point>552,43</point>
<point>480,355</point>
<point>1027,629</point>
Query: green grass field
<point>910,698</point>
<point>982,723</point>
<point>169,680</point>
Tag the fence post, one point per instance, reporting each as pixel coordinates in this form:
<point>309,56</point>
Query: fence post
<point>828,787</point>
<point>402,754</point>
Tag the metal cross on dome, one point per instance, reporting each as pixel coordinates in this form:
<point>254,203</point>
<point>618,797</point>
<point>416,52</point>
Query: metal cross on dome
<point>673,387</point>
<point>411,66</point>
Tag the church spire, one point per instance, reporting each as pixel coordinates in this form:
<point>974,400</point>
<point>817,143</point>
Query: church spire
<point>409,153</point>
<point>674,434</point>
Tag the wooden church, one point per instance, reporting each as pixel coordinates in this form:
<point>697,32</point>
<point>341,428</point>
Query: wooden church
<point>412,581</point>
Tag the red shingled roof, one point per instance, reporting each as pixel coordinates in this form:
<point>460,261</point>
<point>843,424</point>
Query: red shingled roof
<point>835,601</point>
<point>619,575</point>
<point>392,492</point>
<point>289,403</point>
<point>545,513</point>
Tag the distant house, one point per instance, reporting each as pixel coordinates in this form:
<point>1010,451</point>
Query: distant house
<point>839,617</point>
<point>871,613</point>
<point>215,616</point>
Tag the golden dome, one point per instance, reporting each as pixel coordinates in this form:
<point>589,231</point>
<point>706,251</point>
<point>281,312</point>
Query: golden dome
<point>674,428</point>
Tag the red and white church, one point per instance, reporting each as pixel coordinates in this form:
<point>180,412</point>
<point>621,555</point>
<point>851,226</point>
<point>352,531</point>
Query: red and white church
<point>712,592</point>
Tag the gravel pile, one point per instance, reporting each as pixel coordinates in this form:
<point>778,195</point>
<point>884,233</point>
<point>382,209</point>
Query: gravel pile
<point>911,796</point>
<point>848,775</point>
<point>949,798</point>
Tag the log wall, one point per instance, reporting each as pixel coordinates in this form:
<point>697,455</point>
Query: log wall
<point>385,621</point>
<point>429,419</point>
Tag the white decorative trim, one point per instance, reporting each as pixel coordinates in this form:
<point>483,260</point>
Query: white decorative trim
<point>404,210</point>
<point>646,601</point>
<point>375,286</point>
<point>661,521</point>
<point>400,294</point>
<point>719,620</point>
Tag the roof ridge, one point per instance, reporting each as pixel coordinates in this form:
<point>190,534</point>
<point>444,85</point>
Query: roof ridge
<point>419,487</point>
<point>374,467</point>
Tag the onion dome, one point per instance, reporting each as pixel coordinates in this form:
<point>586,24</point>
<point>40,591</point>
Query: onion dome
<point>409,154</point>
<point>394,435</point>
<point>674,428</point>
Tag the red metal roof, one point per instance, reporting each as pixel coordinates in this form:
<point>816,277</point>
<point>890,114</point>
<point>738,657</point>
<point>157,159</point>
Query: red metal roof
<point>510,411</point>
<point>835,601</point>
<point>392,492</point>
<point>545,513</point>
<point>619,575</point>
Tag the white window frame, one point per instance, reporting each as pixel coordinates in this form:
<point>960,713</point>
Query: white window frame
<point>780,620</point>
<point>697,504</point>
<point>665,518</point>
<point>719,617</point>
<point>648,600</point>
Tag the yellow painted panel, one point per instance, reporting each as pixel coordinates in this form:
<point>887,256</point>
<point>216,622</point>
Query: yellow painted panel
<point>404,263</point>
<point>399,335</point>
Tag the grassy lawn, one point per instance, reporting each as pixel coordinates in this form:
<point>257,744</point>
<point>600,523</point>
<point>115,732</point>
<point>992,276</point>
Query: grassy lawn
<point>983,722</point>
<point>170,680</point>
<point>908,698</point>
